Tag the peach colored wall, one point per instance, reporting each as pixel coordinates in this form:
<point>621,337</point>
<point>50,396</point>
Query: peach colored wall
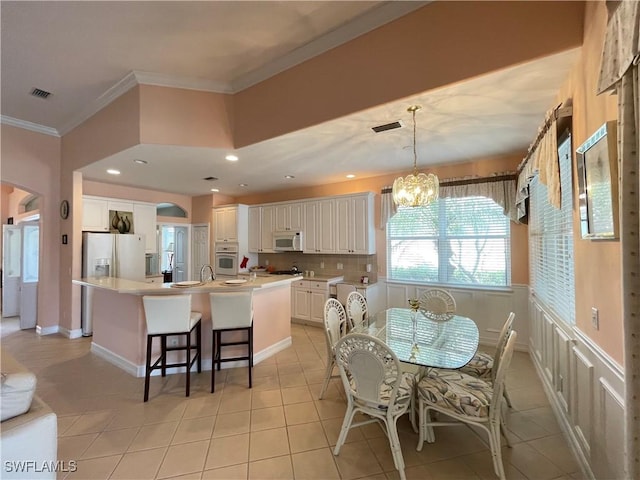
<point>597,263</point>
<point>174,116</point>
<point>31,162</point>
<point>482,168</point>
<point>439,44</point>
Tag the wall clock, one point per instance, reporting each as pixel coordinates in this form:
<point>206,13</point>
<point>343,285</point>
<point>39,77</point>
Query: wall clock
<point>64,209</point>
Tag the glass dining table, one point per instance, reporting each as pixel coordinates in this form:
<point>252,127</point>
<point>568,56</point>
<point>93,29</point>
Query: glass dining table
<point>416,339</point>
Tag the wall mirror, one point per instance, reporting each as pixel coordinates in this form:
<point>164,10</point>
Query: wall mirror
<point>598,184</point>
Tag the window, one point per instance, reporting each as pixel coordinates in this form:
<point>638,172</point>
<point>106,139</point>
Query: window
<point>551,242</point>
<point>461,241</point>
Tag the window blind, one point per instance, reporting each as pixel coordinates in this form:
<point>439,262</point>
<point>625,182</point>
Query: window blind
<point>464,241</point>
<point>551,242</point>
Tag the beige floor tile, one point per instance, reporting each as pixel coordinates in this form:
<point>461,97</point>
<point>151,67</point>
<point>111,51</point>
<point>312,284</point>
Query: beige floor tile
<point>183,459</point>
<point>357,460</point>
<point>194,429</point>
<point>203,406</point>
<point>306,436</point>
<point>482,464</point>
<point>227,451</point>
<point>266,418</point>
<point>95,468</point>
<point>235,401</point>
<point>528,460</point>
<point>234,472</point>
<point>332,429</point>
<point>264,370</point>
<point>296,395</point>
<point>272,382</point>
<point>232,424</point>
<point>266,398</point>
<point>297,413</point>
<point>521,425</point>
<point>187,476</point>
<point>153,436</point>
<point>555,448</point>
<point>73,447</point>
<point>64,422</point>
<point>267,444</point>
<point>290,369</point>
<point>292,380</point>
<point>277,468</point>
<point>111,443</point>
<point>329,408</point>
<point>90,423</point>
<point>451,470</point>
<point>382,449</point>
<point>141,465</point>
<point>167,410</point>
<point>315,464</point>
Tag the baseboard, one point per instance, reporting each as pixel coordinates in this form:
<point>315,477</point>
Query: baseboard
<point>47,330</point>
<point>77,333</point>
<point>138,370</point>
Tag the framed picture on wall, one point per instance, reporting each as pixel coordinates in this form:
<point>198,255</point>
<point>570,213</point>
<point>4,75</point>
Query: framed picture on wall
<point>598,184</point>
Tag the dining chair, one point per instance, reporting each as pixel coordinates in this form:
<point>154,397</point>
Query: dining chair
<point>171,315</point>
<point>375,386</point>
<point>231,312</point>
<point>335,324</point>
<point>356,307</point>
<point>484,365</point>
<point>437,304</point>
<point>466,399</point>
<point>343,290</point>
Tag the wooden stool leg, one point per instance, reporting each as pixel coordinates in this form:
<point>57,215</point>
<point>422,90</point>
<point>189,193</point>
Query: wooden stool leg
<point>147,371</point>
<point>163,353</point>
<point>250,354</point>
<point>199,345</point>
<point>188,362</point>
<point>213,361</point>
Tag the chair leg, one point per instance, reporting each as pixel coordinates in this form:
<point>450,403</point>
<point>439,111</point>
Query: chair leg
<point>147,371</point>
<point>199,345</point>
<point>506,397</point>
<point>496,449</point>
<point>188,363</point>
<point>396,450</point>
<point>346,425</point>
<point>327,377</point>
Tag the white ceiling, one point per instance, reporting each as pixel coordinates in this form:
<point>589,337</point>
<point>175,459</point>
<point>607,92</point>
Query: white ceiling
<point>81,50</point>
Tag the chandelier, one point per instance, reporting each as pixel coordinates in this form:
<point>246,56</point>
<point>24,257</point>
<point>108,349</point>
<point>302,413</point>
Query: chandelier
<point>416,189</point>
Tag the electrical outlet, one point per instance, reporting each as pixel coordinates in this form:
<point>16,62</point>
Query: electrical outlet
<point>339,266</point>
<point>173,341</point>
<point>368,268</point>
<point>321,265</point>
<point>595,320</point>
<point>266,262</point>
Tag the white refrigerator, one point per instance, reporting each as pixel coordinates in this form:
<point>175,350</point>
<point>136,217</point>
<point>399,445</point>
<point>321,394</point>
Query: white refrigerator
<point>109,255</point>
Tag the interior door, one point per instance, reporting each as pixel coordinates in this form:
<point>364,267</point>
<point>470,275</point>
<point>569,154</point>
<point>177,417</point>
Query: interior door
<point>11,270</point>
<point>180,269</point>
<point>199,250</point>
<point>29,279</point>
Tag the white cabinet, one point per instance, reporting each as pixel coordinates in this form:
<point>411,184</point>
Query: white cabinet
<point>120,206</point>
<point>155,279</point>
<point>95,214</point>
<point>319,226</point>
<point>226,224</point>
<point>260,229</point>
<point>308,299</point>
<point>144,223</point>
<point>289,216</point>
<point>354,225</point>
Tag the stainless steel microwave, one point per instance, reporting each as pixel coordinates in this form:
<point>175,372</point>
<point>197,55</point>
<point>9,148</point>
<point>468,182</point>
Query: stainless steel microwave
<point>287,241</point>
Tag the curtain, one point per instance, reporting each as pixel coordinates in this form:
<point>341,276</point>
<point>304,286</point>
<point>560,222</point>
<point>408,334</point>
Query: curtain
<point>388,207</point>
<point>501,189</point>
<point>619,73</point>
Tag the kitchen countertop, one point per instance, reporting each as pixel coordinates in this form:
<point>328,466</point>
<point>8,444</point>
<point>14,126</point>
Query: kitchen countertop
<point>133,287</point>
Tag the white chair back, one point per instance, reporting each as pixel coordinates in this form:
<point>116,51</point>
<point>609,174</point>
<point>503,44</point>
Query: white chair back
<point>167,313</point>
<point>437,304</point>
<point>502,341</point>
<point>335,319</point>
<point>231,309</point>
<point>357,311</point>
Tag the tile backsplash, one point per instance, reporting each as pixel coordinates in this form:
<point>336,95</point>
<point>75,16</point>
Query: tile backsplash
<point>353,266</point>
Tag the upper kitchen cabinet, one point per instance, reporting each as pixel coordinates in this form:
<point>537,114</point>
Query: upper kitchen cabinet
<point>354,220</point>
<point>231,223</point>
<point>319,226</point>
<point>144,216</point>
<point>289,216</point>
<point>95,214</point>
<point>261,220</point>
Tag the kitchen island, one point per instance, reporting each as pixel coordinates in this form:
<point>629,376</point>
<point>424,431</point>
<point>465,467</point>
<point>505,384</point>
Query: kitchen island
<point>119,327</point>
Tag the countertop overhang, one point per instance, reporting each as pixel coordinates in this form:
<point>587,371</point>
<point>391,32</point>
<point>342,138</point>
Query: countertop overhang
<point>133,287</point>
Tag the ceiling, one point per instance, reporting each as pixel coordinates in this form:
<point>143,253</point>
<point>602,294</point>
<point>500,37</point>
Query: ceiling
<point>78,51</point>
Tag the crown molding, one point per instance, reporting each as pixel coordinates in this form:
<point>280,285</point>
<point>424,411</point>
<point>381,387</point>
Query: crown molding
<point>34,127</point>
<point>123,86</point>
<point>162,80</point>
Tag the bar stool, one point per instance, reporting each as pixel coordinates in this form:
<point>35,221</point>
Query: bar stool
<point>168,315</point>
<point>230,312</point>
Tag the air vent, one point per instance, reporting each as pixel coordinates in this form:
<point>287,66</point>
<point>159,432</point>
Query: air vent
<point>36,92</point>
<point>386,126</point>
<point>210,179</point>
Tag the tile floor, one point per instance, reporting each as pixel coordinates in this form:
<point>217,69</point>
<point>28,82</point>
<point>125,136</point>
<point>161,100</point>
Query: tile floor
<point>277,430</point>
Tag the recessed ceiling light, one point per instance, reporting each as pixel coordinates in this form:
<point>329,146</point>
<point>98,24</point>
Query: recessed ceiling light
<point>232,158</point>
<point>215,190</point>
<point>113,171</point>
<point>140,161</point>
<point>351,175</point>
<point>244,185</point>
<point>289,177</point>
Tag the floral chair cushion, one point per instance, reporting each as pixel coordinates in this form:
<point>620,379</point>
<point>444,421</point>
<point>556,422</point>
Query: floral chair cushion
<point>479,366</point>
<point>455,391</point>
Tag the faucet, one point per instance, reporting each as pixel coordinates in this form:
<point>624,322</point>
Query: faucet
<point>212,276</point>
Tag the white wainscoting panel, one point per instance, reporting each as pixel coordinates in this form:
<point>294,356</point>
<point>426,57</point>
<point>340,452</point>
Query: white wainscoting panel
<point>582,406</point>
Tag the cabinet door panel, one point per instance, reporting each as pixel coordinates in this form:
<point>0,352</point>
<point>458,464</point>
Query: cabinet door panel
<point>297,217</point>
<point>325,226</point>
<point>144,223</point>
<point>301,305</point>
<point>318,299</point>
<point>344,227</point>
<point>268,214</point>
<point>95,215</point>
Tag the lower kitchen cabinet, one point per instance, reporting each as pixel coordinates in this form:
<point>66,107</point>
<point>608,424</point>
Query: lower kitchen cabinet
<point>307,300</point>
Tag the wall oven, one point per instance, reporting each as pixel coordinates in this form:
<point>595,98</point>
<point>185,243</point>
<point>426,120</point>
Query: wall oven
<point>226,259</point>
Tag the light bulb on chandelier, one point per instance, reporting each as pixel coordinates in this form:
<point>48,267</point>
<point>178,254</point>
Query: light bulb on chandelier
<point>416,189</point>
